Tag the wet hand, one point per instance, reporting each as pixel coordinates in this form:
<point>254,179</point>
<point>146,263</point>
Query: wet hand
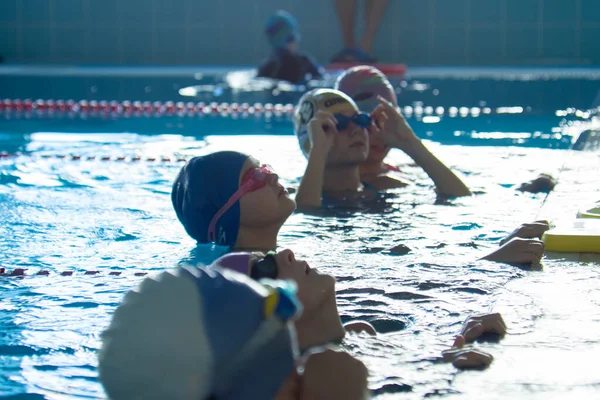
<point>518,251</point>
<point>360,327</point>
<point>466,357</point>
<point>544,183</point>
<point>528,231</point>
<point>398,134</point>
<point>476,326</point>
<point>380,118</point>
<point>321,131</point>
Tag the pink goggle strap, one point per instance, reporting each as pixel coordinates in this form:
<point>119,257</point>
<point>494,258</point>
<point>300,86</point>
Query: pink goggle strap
<point>235,197</point>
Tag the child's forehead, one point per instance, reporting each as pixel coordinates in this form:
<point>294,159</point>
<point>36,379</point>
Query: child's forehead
<point>337,105</point>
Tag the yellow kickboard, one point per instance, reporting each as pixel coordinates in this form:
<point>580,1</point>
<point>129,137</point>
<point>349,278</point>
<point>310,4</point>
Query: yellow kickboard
<point>591,213</point>
<point>576,236</point>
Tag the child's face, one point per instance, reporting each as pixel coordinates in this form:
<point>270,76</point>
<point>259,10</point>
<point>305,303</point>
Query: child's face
<point>314,288</point>
<point>351,145</point>
<point>292,46</point>
<point>267,206</point>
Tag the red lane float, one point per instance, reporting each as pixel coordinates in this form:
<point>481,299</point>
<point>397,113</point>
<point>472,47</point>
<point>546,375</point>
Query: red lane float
<point>137,107</point>
<point>387,69</point>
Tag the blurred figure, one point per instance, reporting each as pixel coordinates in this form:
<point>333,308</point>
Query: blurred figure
<point>361,51</point>
<point>285,62</point>
<point>544,183</point>
<point>193,333</point>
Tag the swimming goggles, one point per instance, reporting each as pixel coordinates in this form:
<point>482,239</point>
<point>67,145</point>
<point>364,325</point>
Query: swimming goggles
<point>362,120</point>
<point>265,267</point>
<point>252,180</point>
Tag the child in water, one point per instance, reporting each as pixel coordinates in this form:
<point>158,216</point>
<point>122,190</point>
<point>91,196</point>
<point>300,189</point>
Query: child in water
<point>244,206</point>
<point>191,333</point>
<point>320,322</point>
<point>364,84</point>
<point>285,62</point>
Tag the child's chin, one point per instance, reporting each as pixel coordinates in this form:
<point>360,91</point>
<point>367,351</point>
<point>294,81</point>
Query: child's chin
<point>375,157</point>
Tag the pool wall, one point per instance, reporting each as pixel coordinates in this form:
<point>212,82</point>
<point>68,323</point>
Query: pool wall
<point>426,32</point>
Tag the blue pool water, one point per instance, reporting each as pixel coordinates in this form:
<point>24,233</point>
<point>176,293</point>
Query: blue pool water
<point>59,214</point>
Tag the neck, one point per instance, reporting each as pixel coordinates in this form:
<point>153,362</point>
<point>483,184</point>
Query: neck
<point>340,178</point>
<point>281,50</point>
<point>261,239</point>
<point>372,168</point>
<point>320,328</point>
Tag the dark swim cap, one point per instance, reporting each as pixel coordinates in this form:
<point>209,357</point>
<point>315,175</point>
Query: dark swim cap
<point>202,187</point>
<point>282,28</point>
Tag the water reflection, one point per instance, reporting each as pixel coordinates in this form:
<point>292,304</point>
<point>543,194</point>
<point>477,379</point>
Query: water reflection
<point>61,214</point>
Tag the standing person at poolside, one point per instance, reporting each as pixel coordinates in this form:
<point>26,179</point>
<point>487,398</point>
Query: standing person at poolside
<point>346,12</point>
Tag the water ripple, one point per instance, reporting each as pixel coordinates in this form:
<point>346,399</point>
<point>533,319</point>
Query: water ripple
<point>58,216</point>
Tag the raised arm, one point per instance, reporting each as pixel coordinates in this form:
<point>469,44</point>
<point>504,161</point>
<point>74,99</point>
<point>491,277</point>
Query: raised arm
<point>401,136</point>
<point>320,130</point>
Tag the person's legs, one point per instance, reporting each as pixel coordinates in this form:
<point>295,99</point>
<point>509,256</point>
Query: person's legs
<point>346,11</point>
<point>374,10</point>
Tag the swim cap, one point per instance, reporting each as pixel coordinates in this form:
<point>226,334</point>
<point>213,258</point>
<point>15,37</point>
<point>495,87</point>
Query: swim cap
<point>203,186</point>
<point>282,28</point>
<point>363,84</point>
<point>234,261</point>
<point>310,103</point>
<point>191,333</point>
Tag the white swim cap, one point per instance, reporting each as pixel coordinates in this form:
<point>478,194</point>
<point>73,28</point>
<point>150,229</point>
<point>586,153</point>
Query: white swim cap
<point>185,334</point>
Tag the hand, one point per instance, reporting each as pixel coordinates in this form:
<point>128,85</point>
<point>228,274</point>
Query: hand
<point>399,134</point>
<point>334,375</point>
<point>380,118</point>
<point>476,326</point>
<point>290,388</point>
<point>321,131</point>
<point>466,357</point>
<point>359,327</point>
<point>518,251</point>
<point>544,183</point>
<point>528,231</point>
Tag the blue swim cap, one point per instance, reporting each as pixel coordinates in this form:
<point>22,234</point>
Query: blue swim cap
<point>203,186</point>
<point>282,28</point>
<point>192,333</point>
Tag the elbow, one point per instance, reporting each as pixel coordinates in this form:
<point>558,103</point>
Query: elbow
<point>452,194</point>
<point>463,192</point>
<point>303,202</point>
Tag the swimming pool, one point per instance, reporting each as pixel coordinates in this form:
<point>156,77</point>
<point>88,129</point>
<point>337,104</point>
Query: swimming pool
<point>78,192</point>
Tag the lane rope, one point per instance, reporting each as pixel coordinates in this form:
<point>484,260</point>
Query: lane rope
<point>21,272</point>
<point>138,108</point>
<point>75,157</point>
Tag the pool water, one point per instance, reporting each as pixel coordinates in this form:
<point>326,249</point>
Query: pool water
<point>59,214</point>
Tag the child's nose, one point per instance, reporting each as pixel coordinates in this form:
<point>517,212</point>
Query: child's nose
<point>273,179</point>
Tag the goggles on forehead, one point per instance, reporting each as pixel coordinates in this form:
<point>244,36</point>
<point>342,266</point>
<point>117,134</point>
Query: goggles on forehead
<point>252,180</point>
